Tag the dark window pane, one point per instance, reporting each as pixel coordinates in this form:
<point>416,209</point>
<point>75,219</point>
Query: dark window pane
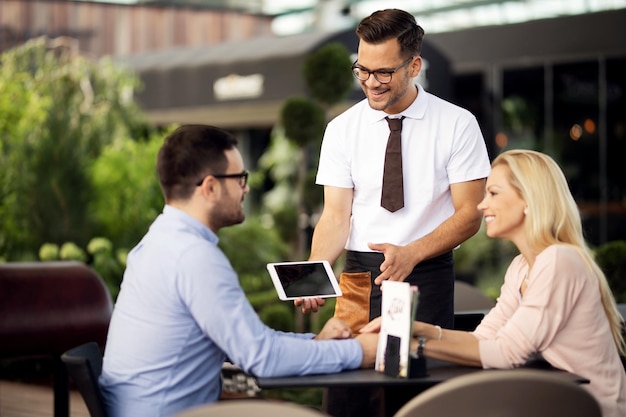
<point>522,108</point>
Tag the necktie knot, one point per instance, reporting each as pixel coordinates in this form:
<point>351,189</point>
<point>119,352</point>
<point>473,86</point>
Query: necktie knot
<point>395,124</point>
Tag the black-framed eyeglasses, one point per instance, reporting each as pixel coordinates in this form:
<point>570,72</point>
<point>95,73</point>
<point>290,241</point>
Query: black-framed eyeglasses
<point>242,177</point>
<point>382,76</point>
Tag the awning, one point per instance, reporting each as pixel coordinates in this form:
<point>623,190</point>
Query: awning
<point>244,84</point>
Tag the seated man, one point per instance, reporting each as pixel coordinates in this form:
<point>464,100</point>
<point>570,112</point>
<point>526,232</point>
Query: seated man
<point>181,312</point>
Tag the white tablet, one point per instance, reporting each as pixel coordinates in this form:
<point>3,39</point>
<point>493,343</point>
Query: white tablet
<point>304,279</point>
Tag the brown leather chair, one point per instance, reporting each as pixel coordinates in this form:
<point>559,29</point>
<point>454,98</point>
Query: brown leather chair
<point>47,308</point>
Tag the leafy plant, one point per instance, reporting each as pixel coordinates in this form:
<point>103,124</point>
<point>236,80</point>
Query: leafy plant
<point>58,110</point>
<point>127,197</point>
<point>482,261</point>
<point>327,73</point>
<point>99,254</point>
<point>303,120</point>
<point>70,251</point>
<point>279,316</point>
<point>250,246</point>
<point>611,257</point>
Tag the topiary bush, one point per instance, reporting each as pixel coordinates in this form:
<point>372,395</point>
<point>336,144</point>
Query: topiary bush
<point>327,73</point>
<point>303,119</point>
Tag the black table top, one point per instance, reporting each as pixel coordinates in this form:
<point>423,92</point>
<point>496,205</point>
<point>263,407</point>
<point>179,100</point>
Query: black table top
<point>436,372</point>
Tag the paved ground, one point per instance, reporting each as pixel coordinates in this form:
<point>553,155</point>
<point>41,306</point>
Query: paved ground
<point>31,400</point>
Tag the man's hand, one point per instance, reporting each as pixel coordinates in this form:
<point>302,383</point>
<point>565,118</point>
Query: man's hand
<point>398,262</point>
<point>334,329</point>
<point>369,343</point>
<point>309,304</point>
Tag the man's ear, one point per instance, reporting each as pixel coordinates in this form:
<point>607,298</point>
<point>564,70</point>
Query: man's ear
<point>416,66</point>
<point>210,187</point>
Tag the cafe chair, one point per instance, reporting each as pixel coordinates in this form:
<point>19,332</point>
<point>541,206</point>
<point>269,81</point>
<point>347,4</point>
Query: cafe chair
<point>468,298</point>
<point>511,393</point>
<point>84,365</point>
<point>251,408</point>
<point>470,306</point>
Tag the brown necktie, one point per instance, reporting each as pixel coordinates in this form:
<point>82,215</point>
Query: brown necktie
<point>392,197</point>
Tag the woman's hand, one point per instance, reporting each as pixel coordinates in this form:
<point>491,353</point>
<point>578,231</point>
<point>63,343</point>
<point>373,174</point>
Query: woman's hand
<point>419,329</point>
<point>371,327</point>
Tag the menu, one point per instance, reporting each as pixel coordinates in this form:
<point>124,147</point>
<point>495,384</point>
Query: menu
<point>399,303</point>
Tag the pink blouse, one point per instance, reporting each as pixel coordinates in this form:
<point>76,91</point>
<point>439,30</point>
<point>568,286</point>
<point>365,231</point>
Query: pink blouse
<point>559,316</point>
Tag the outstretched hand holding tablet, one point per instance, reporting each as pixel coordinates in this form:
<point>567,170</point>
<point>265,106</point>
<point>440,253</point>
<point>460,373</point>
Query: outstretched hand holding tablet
<point>304,279</point>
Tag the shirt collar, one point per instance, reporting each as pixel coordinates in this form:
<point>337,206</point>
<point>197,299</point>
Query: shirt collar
<point>191,222</point>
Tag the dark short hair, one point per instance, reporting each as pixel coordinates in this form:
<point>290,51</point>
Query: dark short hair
<point>190,153</point>
<point>387,24</point>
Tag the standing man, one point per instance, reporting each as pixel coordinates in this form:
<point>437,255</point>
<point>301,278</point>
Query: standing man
<point>444,164</point>
<point>181,312</point>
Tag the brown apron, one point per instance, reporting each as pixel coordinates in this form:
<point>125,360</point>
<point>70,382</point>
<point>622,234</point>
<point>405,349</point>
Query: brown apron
<point>353,306</point>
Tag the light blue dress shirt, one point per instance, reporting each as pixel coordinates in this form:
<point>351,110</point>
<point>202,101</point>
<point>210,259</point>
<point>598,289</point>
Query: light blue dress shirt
<point>180,313</point>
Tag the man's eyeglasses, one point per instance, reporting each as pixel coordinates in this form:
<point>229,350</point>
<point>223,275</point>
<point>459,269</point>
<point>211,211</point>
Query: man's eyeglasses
<point>242,177</point>
<point>382,76</point>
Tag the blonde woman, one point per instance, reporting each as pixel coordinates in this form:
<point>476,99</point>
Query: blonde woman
<point>555,301</point>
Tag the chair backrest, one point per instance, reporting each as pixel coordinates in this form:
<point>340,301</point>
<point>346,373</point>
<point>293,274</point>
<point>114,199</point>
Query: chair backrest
<point>47,308</point>
<point>467,297</point>
<point>84,365</point>
<point>511,393</point>
<point>251,407</point>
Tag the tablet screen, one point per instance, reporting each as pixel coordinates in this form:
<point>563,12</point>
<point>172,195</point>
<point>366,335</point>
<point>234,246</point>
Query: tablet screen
<point>304,279</point>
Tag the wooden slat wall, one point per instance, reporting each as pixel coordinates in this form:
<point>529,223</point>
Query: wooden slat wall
<point>119,30</point>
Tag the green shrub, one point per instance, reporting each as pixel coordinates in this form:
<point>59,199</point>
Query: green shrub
<point>303,119</point>
<point>49,252</point>
<point>327,73</point>
<point>100,256</point>
<point>611,257</point>
<point>250,246</point>
<point>70,251</point>
<point>279,316</point>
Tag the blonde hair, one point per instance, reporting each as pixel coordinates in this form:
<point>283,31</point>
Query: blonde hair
<point>554,218</point>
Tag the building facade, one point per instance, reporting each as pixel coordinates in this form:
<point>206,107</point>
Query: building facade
<point>557,85</point>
